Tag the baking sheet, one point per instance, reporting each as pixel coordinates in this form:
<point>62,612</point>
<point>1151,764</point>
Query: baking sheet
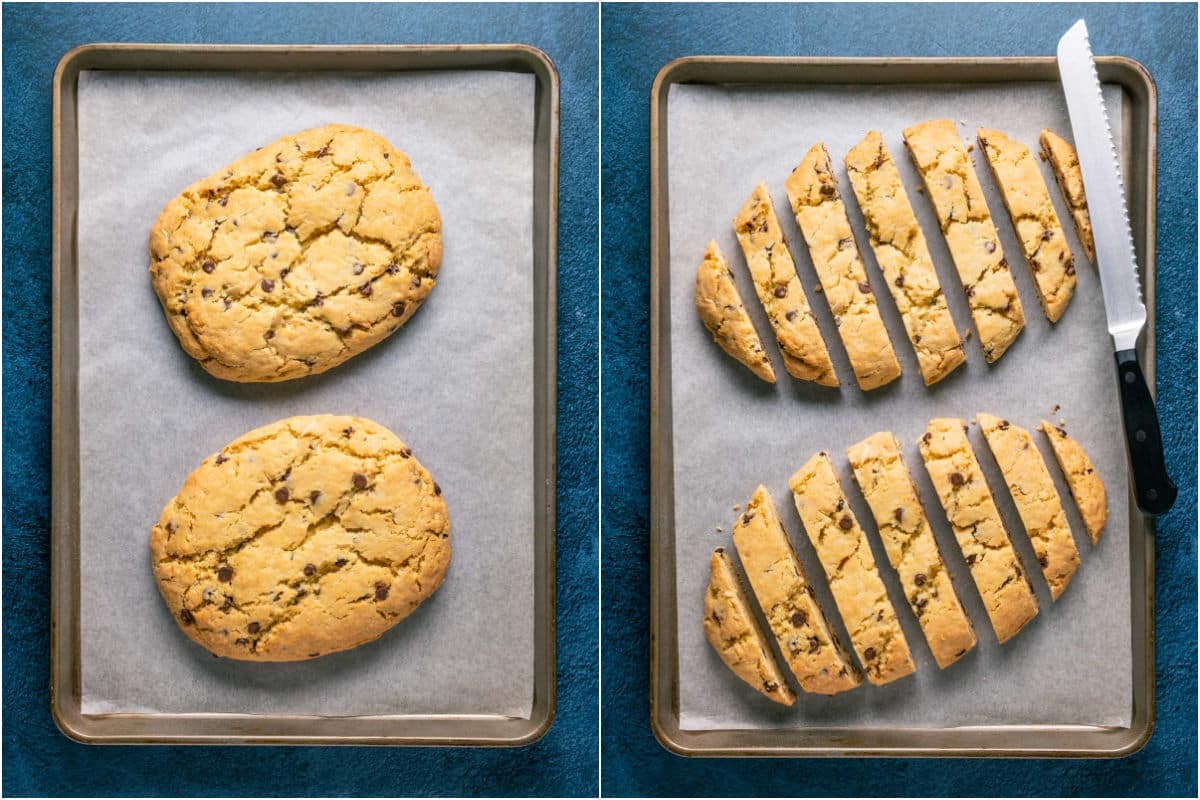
<point>1073,663</point>
<point>456,383</point>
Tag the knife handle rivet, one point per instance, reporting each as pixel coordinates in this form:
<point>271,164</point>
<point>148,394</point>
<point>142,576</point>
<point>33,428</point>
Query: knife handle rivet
<point>1129,377</point>
<point>1140,436</point>
<point>1151,494</point>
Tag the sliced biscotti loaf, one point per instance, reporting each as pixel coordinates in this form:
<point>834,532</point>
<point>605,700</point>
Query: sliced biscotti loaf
<point>1065,163</point>
<point>813,192</point>
<point>885,482</point>
<point>953,188</point>
<point>779,290</point>
<point>812,651</point>
<point>735,634</point>
<point>849,564</point>
<point>903,256</point>
<point>1036,499</point>
<point>1032,212</point>
<point>1082,478</point>
<point>967,501</point>
<point>723,313</point>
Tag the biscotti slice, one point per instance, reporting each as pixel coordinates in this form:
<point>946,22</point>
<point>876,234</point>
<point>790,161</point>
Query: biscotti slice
<point>720,305</point>
<point>953,188</point>
<point>779,290</point>
<point>735,634</point>
<point>964,494</point>
<point>812,651</point>
<point>1082,478</point>
<point>903,256</point>
<point>850,566</point>
<point>911,548</point>
<point>1036,499</point>
<point>1028,202</point>
<point>813,193</point>
<point>1065,163</point>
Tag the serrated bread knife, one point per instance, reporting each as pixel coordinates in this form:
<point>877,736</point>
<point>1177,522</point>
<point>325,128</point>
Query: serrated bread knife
<point>1117,264</point>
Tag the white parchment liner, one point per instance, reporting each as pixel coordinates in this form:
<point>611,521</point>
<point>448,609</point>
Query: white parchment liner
<point>456,384</point>
<point>1073,664</point>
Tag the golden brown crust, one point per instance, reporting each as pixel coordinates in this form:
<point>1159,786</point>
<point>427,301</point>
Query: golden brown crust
<point>723,313</point>
<point>1082,478</point>
<point>903,256</point>
<point>817,205</point>
<point>779,290</point>
<point>301,538</point>
<point>1032,212</point>
<point>296,257</point>
<point>735,634</point>
<point>953,188</point>
<point>1065,163</point>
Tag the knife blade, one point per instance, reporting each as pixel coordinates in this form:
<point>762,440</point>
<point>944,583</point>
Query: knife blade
<point>1116,262</point>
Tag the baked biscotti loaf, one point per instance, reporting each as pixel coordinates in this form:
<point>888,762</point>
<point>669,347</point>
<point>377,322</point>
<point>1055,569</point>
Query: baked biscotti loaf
<point>812,652</point>
<point>903,255</point>
<point>953,188</point>
<point>850,567</point>
<point>1082,478</point>
<point>879,469</point>
<point>1065,163</point>
<point>779,290</point>
<point>1036,499</point>
<point>813,192</point>
<point>735,634</point>
<point>967,501</point>
<point>720,305</point>
<point>296,257</point>
<point>301,538</point>
<point>1032,212</point>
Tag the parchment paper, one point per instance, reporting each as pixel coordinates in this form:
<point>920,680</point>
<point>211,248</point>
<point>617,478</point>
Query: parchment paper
<point>1073,663</point>
<point>455,383</point>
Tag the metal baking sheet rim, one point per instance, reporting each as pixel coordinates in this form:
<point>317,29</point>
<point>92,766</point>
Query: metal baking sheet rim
<point>209,729</point>
<point>1033,741</point>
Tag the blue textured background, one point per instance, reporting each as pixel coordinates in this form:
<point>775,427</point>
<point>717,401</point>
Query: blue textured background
<point>637,41</point>
<point>38,760</point>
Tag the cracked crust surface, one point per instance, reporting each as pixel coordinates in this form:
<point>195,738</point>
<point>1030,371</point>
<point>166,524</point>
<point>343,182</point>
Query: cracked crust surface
<point>296,257</point>
<point>735,634</point>
<point>953,187</point>
<point>964,494</point>
<point>888,487</point>
<point>1032,212</point>
<point>849,564</point>
<point>812,651</point>
<point>301,538</point>
<point>779,290</point>
<point>1036,499</point>
<point>903,256</point>
<point>813,193</point>
<point>1082,479</point>
<point>1065,163</point>
<point>723,313</point>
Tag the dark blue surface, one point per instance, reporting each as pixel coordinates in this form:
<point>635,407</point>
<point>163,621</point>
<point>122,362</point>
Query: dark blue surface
<point>38,760</point>
<point>637,41</point>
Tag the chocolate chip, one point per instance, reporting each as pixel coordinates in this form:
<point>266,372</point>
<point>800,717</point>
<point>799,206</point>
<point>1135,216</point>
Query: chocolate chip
<point>799,618</point>
<point>899,281</point>
<point>206,292</point>
<point>957,479</point>
<point>393,268</point>
<point>300,593</point>
<point>919,579</point>
<point>221,458</point>
<point>791,315</point>
<point>278,180</point>
<point>348,431</point>
<point>398,309</point>
<point>437,489</point>
<point>269,334</point>
<point>970,291</point>
<point>844,243</point>
<point>869,654</point>
<point>405,453</point>
<point>416,281</point>
<point>253,627</point>
<point>781,291</point>
<point>365,290</point>
<point>223,201</point>
<point>898,514</point>
<point>746,518</point>
<point>1070,270</point>
<point>225,574</point>
<point>814,644</point>
<point>828,190</point>
<point>268,285</point>
<point>989,246</point>
<point>208,266</point>
<point>1004,263</point>
<point>341,562</point>
<point>318,300</point>
<point>228,601</point>
<point>1004,425</point>
<point>282,494</point>
<point>1034,265</point>
<point>310,570</point>
<point>357,268</point>
<point>360,480</point>
<point>921,603</point>
<point>927,438</point>
<point>845,523</point>
<point>864,287</point>
<point>971,558</point>
<point>841,504</point>
<point>314,496</point>
<point>186,617</point>
<point>770,686</point>
<point>1047,235</point>
<point>1018,571</point>
<point>1042,560</point>
<point>381,591</point>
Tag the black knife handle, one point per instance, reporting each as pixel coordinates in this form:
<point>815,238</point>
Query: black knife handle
<point>1154,492</point>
